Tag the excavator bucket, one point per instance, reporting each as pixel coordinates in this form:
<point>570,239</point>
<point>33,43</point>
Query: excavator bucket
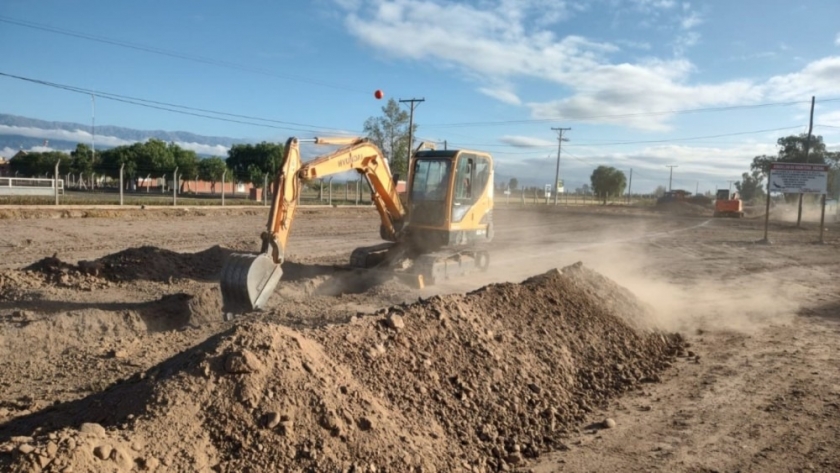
<point>247,282</point>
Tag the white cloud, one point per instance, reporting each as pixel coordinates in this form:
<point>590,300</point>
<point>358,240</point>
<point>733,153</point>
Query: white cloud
<point>497,44</point>
<point>79,136</point>
<point>829,118</point>
<point>691,20</point>
<point>502,95</point>
<point>525,141</point>
<point>217,150</point>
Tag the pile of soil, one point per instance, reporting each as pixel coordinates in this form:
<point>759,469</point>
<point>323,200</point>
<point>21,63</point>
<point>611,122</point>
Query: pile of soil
<point>157,264</point>
<point>683,208</point>
<point>475,382</point>
<point>143,263</point>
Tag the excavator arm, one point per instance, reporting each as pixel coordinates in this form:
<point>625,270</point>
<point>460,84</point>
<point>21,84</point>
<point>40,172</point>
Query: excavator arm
<point>248,280</point>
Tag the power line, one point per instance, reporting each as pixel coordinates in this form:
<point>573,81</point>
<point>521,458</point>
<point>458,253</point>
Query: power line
<point>624,115</point>
<point>171,53</point>
<point>187,110</point>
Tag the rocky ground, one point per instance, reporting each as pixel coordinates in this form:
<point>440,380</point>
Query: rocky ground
<point>678,345</point>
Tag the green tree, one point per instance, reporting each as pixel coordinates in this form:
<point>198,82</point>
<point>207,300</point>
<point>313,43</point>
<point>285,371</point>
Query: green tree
<point>211,170</point>
<point>792,150</point>
<point>751,185</point>
<point>185,160</point>
<point>110,161</point>
<point>390,133</point>
<point>153,157</point>
<point>513,184</point>
<point>37,164</point>
<point>250,163</point>
<point>608,181</point>
<point>83,159</point>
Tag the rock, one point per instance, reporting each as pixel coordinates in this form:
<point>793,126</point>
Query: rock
<point>395,321</point>
<point>122,459</point>
<point>102,452</point>
<point>534,388</point>
<point>119,354</point>
<point>242,362</point>
<point>149,464</point>
<point>95,430</point>
<point>26,449</point>
<point>272,420</point>
<point>609,423</point>
<point>52,449</point>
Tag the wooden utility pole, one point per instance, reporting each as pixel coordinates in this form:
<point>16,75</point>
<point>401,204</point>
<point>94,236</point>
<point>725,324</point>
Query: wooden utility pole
<point>807,152</point>
<point>630,187</point>
<point>560,141</point>
<point>413,103</point>
<point>671,176</point>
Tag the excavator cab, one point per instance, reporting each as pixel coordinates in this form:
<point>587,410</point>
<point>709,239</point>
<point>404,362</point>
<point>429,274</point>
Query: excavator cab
<point>450,198</point>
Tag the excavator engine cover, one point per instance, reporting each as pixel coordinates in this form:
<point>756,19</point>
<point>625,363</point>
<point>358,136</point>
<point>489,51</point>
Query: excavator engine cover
<point>247,281</point>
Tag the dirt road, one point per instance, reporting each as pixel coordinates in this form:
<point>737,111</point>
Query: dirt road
<point>757,390</point>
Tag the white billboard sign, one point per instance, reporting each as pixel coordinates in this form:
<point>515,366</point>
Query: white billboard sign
<point>798,178</point>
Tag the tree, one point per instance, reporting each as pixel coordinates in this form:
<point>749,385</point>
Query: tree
<point>83,160</point>
<point>659,192</point>
<point>390,133</point>
<point>39,164</point>
<point>792,150</point>
<point>111,160</point>
<point>607,181</point>
<point>513,184</point>
<point>186,161</point>
<point>250,163</point>
<point>211,169</point>
<point>751,185</point>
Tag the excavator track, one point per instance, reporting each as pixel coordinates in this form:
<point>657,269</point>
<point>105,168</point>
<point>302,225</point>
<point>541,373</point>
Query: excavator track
<point>440,266</point>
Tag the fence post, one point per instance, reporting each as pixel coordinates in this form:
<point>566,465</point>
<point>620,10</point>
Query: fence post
<point>265,189</point>
<point>329,183</point>
<point>321,192</point>
<point>55,181</point>
<point>175,187</point>
<point>357,191</point>
<point>346,191</point>
<point>122,186</point>
<point>224,173</point>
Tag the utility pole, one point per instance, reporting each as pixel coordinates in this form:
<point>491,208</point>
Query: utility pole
<point>697,188</point>
<point>560,141</point>
<point>413,103</point>
<point>671,176</point>
<point>807,151</point>
<point>92,133</point>
<point>629,188</point>
<point>730,186</point>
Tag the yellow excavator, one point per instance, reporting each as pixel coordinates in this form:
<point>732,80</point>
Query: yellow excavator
<point>438,233</point>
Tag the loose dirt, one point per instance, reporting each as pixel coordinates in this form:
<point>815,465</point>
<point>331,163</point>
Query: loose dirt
<point>113,355</point>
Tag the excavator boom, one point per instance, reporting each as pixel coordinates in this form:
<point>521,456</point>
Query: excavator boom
<point>247,280</point>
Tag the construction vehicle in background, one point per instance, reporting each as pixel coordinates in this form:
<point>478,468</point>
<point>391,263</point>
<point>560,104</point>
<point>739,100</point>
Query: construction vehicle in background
<point>728,205</point>
<point>436,233</point>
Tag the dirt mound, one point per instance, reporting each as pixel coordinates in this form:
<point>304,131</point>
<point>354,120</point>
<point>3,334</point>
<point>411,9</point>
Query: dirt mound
<point>475,382</point>
<point>682,208</point>
<point>143,263</point>
<point>158,264</point>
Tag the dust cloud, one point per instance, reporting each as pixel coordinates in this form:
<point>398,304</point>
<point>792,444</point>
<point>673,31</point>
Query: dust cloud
<point>656,266</point>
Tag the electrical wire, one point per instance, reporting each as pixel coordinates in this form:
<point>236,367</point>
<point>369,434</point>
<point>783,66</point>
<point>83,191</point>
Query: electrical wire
<point>186,109</point>
<point>171,53</point>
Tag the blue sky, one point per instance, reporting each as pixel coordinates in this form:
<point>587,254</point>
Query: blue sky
<point>496,74</point>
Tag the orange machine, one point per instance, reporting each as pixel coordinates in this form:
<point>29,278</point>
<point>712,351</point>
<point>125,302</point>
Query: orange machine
<point>727,205</point>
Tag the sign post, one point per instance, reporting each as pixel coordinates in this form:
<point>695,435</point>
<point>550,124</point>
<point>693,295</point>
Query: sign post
<point>796,178</point>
